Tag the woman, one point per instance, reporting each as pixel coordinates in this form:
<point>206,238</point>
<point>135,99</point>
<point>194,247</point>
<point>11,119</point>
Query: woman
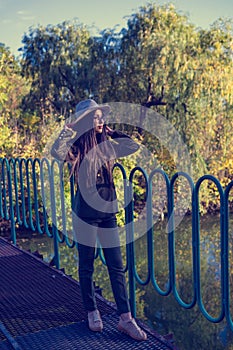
<point>91,147</point>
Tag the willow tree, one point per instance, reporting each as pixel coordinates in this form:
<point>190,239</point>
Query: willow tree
<point>214,97</point>
<point>191,73</point>
<point>189,70</point>
<point>103,66</point>
<point>12,89</point>
<point>53,59</point>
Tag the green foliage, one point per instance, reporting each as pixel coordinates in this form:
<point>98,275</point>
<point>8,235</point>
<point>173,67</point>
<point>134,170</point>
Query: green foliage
<point>193,67</point>
<point>55,59</point>
<point>12,89</point>
<point>190,70</point>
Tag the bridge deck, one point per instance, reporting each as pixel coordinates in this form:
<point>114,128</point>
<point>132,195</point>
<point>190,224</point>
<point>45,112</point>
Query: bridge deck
<point>41,308</point>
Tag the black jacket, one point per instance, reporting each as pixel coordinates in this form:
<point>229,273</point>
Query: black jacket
<point>98,201</point>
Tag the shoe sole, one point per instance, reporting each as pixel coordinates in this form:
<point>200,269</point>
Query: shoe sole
<point>96,329</point>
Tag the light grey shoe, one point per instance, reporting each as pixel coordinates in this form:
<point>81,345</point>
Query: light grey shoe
<point>94,321</point>
<point>131,328</point>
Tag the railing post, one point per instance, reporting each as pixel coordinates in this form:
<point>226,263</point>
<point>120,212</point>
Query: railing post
<point>225,255</point>
<point>171,244</point>
<point>130,249</point>
<point>12,217</point>
<point>56,259</point>
<point>6,173</point>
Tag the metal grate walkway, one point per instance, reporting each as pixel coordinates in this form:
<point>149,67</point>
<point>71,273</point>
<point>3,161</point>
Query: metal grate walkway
<point>41,308</point>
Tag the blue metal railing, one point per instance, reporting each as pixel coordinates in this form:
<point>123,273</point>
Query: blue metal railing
<point>32,188</point>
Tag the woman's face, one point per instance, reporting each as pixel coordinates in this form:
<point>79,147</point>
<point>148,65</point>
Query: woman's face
<point>98,121</point>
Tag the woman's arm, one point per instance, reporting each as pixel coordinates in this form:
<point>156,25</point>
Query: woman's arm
<point>122,143</point>
<point>62,144</point>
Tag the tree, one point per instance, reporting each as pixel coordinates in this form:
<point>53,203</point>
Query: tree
<point>12,90</point>
<point>53,59</point>
<point>191,73</point>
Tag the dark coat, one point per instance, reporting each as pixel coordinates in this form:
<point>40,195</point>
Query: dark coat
<point>98,201</point>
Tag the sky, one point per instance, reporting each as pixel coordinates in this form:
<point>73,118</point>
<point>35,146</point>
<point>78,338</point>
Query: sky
<point>17,16</point>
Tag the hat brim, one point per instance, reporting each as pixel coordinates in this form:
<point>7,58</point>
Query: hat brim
<point>104,108</point>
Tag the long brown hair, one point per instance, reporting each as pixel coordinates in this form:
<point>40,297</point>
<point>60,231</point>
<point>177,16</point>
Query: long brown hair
<point>96,151</point>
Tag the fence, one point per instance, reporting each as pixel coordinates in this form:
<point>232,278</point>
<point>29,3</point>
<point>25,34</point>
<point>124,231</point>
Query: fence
<point>26,184</point>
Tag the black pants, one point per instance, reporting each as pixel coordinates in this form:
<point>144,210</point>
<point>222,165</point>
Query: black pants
<point>106,232</point>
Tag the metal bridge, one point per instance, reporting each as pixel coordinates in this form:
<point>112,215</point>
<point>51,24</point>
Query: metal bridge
<point>23,201</point>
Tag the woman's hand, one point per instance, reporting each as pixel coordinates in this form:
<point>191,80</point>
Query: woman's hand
<point>68,127</point>
<point>109,130</point>
<point>67,133</point>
